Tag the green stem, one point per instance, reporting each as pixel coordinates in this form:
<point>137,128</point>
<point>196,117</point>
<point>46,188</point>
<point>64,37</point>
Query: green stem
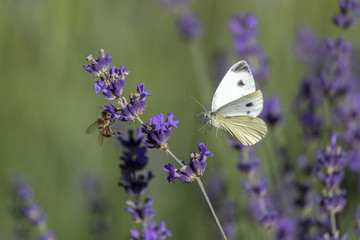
<point>333,222</point>
<point>223,236</point>
<point>175,158</point>
<point>140,121</point>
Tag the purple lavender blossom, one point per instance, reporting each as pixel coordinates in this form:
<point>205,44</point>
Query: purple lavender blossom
<point>184,174</point>
<point>152,232</point>
<point>198,161</point>
<point>133,160</point>
<point>197,165</point>
<point>354,161</point>
<point>272,112</point>
<point>303,199</point>
<point>258,190</point>
<point>249,166</point>
<point>140,213</point>
<point>334,203</point>
<point>129,111</point>
<point>120,73</point>
<point>268,219</point>
<point>135,185</point>
<point>136,107</point>
<point>34,214</point>
<point>330,78</point>
<point>158,130</point>
<point>309,48</point>
<point>112,91</point>
<point>49,235</point>
<point>99,66</point>
<point>243,27</point>
<point>349,13</point>
<point>189,26</point>
<point>285,229</point>
<point>22,189</point>
<point>330,163</point>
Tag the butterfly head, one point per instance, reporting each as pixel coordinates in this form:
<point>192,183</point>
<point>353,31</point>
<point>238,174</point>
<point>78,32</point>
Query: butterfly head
<point>206,118</point>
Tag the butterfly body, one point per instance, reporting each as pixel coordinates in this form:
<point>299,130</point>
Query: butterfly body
<point>236,105</point>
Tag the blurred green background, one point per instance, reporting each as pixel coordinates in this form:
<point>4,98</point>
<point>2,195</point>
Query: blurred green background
<point>47,101</point>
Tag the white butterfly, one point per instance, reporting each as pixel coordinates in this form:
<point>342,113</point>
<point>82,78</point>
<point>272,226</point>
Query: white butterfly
<point>236,105</point>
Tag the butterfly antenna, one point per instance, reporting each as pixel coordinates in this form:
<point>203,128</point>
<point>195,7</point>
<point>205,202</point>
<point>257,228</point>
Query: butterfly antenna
<point>189,95</point>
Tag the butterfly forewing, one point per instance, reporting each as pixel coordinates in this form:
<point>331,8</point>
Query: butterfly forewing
<point>248,105</point>
<point>247,130</point>
<point>237,82</point>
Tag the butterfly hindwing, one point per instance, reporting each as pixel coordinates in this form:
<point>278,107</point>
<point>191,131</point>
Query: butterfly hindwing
<point>248,105</point>
<point>247,130</point>
<point>237,82</point>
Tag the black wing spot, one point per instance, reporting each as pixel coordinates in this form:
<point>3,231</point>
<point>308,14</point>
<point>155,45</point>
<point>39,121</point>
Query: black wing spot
<point>250,104</point>
<point>248,112</point>
<point>240,66</point>
<point>240,83</point>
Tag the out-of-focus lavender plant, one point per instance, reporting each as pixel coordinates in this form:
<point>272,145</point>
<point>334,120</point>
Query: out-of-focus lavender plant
<point>244,28</point>
<point>271,112</point>
<point>27,209</point>
<point>329,165</point>
<point>187,23</point>
<point>134,179</point>
<point>329,78</point>
<point>257,187</point>
<point>349,13</point>
<point>96,206</point>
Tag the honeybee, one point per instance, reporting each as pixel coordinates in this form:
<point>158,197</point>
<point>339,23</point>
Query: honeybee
<point>103,123</point>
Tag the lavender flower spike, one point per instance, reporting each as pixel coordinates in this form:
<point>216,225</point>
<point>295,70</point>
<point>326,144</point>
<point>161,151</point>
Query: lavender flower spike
<point>349,13</point>
<point>158,131</point>
<point>153,231</point>
<point>100,65</point>
<point>189,26</point>
<point>136,107</point>
<point>184,174</point>
<point>198,161</point>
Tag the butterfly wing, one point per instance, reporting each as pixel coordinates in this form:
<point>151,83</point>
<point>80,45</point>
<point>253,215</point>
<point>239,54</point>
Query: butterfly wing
<point>248,130</point>
<point>248,105</point>
<point>237,82</point>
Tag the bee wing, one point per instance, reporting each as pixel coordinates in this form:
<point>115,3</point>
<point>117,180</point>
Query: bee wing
<point>247,130</point>
<point>248,105</point>
<point>101,139</point>
<point>91,128</point>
